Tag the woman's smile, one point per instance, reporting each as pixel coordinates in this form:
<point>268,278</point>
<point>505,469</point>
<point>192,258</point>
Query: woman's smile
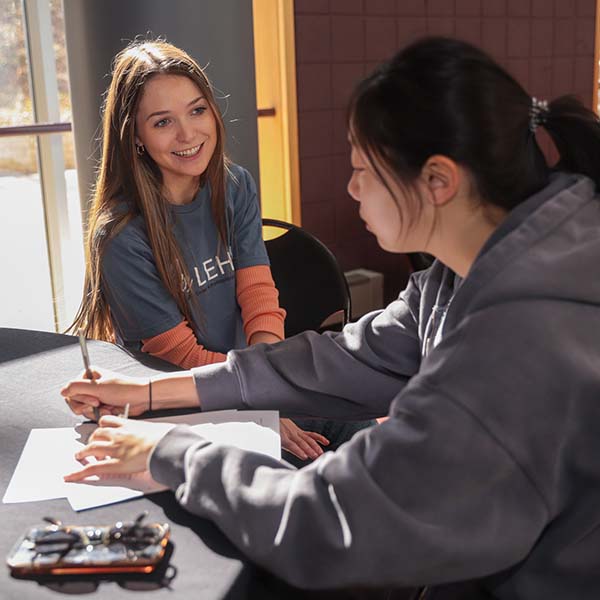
<point>190,153</point>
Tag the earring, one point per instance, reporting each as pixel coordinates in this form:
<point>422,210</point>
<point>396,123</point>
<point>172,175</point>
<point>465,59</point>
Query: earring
<point>139,148</point>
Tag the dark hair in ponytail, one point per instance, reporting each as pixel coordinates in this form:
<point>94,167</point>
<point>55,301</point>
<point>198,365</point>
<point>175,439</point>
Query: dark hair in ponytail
<point>575,131</point>
<point>444,96</point>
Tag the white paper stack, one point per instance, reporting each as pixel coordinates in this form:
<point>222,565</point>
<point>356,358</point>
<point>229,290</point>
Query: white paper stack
<point>49,454</point>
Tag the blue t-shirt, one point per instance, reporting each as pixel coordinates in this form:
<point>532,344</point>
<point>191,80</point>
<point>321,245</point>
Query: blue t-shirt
<point>141,306</point>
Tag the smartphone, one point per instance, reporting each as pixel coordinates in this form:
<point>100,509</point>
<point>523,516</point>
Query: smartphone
<point>57,549</point>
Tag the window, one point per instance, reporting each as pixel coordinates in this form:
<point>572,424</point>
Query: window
<point>41,243</point>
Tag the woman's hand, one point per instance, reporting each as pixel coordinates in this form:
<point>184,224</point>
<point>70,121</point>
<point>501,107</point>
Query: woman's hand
<point>107,391</point>
<point>302,444</point>
<point>119,447</point>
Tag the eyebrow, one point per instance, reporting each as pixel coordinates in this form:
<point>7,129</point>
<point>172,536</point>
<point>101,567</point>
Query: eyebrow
<point>159,113</point>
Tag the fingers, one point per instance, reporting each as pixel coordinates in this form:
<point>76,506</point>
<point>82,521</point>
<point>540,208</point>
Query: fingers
<point>309,445</point>
<point>92,375</point>
<point>80,408</point>
<point>86,410</point>
<point>83,385</point>
<point>292,447</point>
<point>317,437</point>
<point>83,399</point>
<point>111,420</point>
<point>98,449</point>
<point>75,406</point>
<point>298,442</point>
<point>95,374</point>
<point>78,386</point>
<point>104,467</point>
<point>107,426</point>
<point>101,435</point>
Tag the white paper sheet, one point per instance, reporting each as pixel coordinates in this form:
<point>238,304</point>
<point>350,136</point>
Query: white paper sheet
<point>247,436</point>
<point>99,491</point>
<point>215,416</point>
<point>49,454</point>
<point>265,418</point>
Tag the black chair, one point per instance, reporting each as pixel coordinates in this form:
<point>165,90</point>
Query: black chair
<point>311,285</point>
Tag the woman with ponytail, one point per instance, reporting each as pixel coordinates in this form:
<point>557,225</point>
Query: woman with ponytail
<point>487,468</point>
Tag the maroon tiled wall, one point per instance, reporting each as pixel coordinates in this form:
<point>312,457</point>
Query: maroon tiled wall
<point>547,44</point>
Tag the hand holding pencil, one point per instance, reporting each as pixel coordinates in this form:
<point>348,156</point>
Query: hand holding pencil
<point>86,364</point>
<point>90,375</point>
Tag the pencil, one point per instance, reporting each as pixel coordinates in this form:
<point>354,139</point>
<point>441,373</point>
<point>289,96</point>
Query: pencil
<point>86,365</point>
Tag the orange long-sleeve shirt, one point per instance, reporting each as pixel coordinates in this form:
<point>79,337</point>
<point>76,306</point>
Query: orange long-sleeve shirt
<point>259,302</point>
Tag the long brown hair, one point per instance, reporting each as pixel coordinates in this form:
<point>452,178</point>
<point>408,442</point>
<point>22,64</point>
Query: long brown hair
<point>124,174</point>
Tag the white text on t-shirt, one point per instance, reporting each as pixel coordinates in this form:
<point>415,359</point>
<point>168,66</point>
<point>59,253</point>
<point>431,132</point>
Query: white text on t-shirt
<point>212,267</point>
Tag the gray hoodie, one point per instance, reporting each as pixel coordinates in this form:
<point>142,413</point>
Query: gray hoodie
<point>488,466</point>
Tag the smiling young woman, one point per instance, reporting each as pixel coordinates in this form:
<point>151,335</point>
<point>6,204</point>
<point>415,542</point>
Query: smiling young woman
<point>176,262</point>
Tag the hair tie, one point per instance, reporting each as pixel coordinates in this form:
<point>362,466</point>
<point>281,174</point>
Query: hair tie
<point>538,113</point>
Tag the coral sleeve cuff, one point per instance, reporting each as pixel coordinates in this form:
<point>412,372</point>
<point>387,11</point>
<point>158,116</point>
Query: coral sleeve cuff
<point>180,347</point>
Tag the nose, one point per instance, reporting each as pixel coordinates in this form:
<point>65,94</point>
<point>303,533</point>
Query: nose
<point>352,188</point>
<point>184,131</point>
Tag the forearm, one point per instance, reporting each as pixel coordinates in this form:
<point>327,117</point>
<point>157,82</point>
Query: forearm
<point>180,347</point>
<point>173,390</point>
<point>352,375</point>
<point>258,299</point>
<point>307,375</point>
<point>263,337</point>
<point>113,391</point>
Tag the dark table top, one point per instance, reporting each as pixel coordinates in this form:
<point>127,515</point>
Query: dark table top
<point>202,563</point>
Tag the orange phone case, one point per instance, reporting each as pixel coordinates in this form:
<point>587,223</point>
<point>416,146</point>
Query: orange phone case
<point>86,550</point>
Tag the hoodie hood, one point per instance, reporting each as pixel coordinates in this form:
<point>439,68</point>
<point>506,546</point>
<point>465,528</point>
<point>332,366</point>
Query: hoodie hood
<point>556,230</point>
